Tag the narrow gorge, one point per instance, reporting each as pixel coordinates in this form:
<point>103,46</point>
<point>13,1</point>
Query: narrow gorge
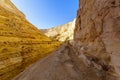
<point>93,54</point>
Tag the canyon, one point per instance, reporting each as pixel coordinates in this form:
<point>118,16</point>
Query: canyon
<point>93,54</point>
<point>61,33</point>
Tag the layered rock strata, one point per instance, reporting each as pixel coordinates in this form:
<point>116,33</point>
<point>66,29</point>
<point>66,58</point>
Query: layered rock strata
<point>95,52</point>
<point>21,43</point>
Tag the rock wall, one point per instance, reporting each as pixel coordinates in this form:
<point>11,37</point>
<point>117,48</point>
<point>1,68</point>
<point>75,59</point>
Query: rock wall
<point>61,33</point>
<point>97,35</point>
<point>20,42</point>
<point>95,52</point>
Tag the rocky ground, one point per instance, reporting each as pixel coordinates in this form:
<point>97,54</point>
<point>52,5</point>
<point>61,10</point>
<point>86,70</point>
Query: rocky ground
<point>62,64</point>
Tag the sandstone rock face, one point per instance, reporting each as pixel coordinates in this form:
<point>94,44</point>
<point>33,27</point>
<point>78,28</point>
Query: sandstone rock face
<point>6,4</point>
<point>98,32</point>
<point>95,52</point>
<point>20,42</point>
<point>61,33</point>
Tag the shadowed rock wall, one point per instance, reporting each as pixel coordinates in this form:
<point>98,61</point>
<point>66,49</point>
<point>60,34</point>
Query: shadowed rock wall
<point>97,34</point>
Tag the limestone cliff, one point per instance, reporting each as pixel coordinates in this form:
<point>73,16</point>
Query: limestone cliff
<point>95,52</point>
<point>20,42</point>
<point>61,33</point>
<point>98,32</point>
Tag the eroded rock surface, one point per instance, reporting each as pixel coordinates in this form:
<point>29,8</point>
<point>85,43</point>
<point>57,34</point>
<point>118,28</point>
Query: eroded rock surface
<point>20,42</point>
<point>95,52</point>
<point>97,30</point>
<point>61,33</point>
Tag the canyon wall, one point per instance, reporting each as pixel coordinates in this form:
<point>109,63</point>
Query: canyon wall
<point>97,34</point>
<point>20,42</point>
<point>61,33</point>
<point>95,52</point>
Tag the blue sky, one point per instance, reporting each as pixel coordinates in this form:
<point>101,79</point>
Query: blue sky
<point>48,13</point>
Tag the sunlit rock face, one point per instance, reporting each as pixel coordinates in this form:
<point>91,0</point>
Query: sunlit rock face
<point>20,42</point>
<point>61,33</point>
<point>95,52</point>
<point>6,4</point>
<point>98,32</point>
